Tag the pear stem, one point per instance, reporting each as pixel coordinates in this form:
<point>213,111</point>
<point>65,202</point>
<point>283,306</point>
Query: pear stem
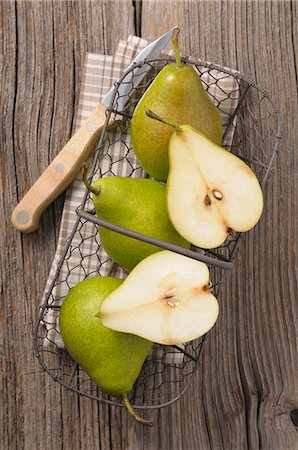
<point>154,116</point>
<point>86,182</point>
<point>131,411</point>
<point>176,47</point>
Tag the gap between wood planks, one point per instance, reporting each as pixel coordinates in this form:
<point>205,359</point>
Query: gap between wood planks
<point>137,5</point>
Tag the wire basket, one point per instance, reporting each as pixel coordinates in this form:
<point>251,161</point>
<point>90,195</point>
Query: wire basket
<point>252,132</point>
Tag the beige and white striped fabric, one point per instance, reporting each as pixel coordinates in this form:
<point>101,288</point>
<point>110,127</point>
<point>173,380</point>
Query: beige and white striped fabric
<point>100,72</point>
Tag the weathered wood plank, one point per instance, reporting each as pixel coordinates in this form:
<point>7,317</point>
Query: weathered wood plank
<point>249,386</point>
<point>43,46</point>
<point>245,389</point>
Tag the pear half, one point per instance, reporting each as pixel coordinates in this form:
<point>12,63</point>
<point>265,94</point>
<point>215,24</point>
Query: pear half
<point>165,299</point>
<point>211,193</point>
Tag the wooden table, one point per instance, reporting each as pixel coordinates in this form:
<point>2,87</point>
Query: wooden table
<point>245,394</point>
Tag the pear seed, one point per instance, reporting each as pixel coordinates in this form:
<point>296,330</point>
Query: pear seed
<point>172,304</point>
<point>170,293</point>
<point>207,200</point>
<point>218,195</point>
<point>230,231</point>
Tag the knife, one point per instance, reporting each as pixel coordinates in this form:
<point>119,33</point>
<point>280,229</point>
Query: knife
<point>65,166</point>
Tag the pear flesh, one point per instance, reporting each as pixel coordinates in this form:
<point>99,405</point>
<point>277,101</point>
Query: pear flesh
<point>211,193</point>
<point>138,205</point>
<point>165,299</point>
<point>113,360</point>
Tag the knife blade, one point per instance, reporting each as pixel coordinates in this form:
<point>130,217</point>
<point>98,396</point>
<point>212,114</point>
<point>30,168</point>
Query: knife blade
<point>65,166</point>
<point>151,51</point>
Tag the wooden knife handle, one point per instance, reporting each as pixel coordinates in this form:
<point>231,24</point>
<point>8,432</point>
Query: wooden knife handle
<point>62,170</point>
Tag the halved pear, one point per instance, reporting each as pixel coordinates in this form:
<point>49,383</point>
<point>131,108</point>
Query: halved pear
<point>165,299</point>
<point>211,193</point>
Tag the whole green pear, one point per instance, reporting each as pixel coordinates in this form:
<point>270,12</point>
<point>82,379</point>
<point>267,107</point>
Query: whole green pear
<point>177,94</point>
<point>112,359</point>
<point>138,204</point>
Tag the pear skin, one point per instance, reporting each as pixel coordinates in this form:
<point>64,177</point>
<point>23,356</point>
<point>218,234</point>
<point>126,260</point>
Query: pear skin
<point>176,94</point>
<point>113,360</point>
<point>138,204</point>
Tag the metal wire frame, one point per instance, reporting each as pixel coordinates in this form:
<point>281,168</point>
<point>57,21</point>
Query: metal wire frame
<point>155,375</point>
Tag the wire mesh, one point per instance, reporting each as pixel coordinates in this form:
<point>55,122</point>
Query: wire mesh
<point>252,132</point>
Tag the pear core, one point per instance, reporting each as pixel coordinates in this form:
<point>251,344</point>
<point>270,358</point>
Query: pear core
<point>166,299</point>
<point>211,193</point>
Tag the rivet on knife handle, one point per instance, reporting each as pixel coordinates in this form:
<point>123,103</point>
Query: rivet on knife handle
<point>62,170</point>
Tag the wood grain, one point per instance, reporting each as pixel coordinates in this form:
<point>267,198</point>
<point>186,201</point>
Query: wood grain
<point>246,387</point>
<point>252,379</point>
<point>43,46</point>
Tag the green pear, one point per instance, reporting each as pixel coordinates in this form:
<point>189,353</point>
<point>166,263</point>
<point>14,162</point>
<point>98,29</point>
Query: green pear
<point>138,204</point>
<point>112,359</point>
<point>166,298</point>
<point>211,193</point>
<point>176,93</point>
